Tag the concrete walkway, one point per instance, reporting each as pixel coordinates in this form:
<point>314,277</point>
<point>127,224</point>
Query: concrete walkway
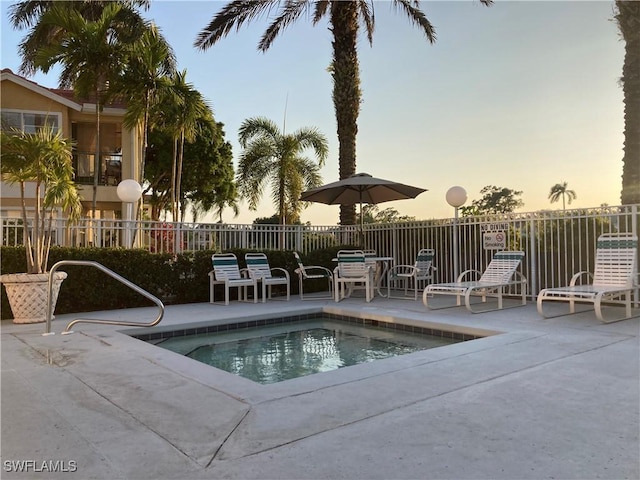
<point>546,398</point>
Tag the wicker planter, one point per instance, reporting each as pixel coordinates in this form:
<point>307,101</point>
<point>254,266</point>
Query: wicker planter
<point>27,293</point>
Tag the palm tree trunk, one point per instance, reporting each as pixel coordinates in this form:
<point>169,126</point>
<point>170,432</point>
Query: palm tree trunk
<point>629,20</point>
<point>37,261</point>
<point>25,231</point>
<point>174,168</point>
<point>346,91</point>
<point>96,161</point>
<point>179,175</point>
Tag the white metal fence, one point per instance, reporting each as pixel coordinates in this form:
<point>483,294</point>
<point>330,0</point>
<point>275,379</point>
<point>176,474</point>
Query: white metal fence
<point>556,243</point>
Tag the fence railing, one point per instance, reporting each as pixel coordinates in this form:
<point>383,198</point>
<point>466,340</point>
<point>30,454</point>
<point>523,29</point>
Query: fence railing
<point>556,243</point>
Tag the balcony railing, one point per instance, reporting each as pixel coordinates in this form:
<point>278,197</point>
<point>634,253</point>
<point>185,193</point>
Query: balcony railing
<point>110,169</point>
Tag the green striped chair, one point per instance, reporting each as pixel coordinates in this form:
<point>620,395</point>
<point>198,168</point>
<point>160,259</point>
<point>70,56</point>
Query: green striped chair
<point>501,273</point>
<point>227,272</point>
<point>613,280</point>
<point>421,271</point>
<point>352,270</point>
<point>259,269</point>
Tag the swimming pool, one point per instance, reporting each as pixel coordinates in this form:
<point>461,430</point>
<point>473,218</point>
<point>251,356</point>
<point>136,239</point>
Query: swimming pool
<point>277,349</point>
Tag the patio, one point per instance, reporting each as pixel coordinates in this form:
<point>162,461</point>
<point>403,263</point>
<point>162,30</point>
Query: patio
<point>548,398</point>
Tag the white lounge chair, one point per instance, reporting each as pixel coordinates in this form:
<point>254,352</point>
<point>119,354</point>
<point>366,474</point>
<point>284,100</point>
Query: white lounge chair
<point>227,272</point>
<point>421,271</point>
<point>352,269</point>
<point>499,274</point>
<point>613,280</point>
<point>259,269</point>
<point>312,272</point>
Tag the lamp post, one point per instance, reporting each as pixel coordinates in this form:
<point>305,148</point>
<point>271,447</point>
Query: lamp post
<point>129,192</point>
<point>456,196</point>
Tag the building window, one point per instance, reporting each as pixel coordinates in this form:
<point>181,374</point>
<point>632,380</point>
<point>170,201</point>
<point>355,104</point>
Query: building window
<point>28,121</point>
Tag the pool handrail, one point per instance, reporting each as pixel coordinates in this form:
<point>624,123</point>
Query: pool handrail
<point>111,273</point>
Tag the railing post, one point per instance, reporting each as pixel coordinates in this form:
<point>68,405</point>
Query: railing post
<point>533,260</point>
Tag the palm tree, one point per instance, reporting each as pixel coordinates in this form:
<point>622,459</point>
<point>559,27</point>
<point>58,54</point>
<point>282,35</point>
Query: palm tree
<point>27,15</point>
<point>44,158</point>
<point>217,204</point>
<point>345,18</point>
<point>92,55</point>
<point>270,156</point>
<point>628,18</point>
<point>179,111</point>
<point>561,190</point>
<point>151,62</point>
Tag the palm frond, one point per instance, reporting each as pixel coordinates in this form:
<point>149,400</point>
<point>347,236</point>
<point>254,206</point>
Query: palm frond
<point>257,127</point>
<point>367,17</point>
<point>418,17</point>
<point>233,15</point>
<point>289,13</point>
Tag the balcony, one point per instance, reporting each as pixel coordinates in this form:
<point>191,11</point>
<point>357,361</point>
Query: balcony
<point>110,172</point>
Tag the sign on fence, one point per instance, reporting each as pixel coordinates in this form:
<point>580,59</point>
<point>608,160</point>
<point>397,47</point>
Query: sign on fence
<point>494,240</point>
<point>494,227</point>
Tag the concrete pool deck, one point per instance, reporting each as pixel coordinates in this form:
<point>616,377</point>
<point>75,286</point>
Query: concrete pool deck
<point>547,398</point>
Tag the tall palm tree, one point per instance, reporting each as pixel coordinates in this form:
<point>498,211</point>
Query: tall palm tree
<point>91,53</point>
<point>271,156</point>
<point>561,190</point>
<point>628,18</point>
<point>345,18</point>
<point>179,111</point>
<point>27,14</point>
<point>150,64</point>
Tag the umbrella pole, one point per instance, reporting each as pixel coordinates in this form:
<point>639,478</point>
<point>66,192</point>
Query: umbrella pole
<point>361,224</point>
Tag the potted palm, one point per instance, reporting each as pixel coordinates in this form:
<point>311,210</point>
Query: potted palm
<point>42,159</point>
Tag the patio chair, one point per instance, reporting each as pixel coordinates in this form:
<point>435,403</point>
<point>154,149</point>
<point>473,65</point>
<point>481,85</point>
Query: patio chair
<point>259,269</point>
<point>421,271</point>
<point>312,272</point>
<point>352,269</point>
<point>499,274</point>
<point>613,280</point>
<point>227,272</point>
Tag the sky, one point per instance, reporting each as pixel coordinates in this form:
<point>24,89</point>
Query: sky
<point>522,95</point>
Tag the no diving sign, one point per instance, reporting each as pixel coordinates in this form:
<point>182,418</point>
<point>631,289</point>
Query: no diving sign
<point>494,240</point>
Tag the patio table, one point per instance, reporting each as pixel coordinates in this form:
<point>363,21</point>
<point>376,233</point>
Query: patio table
<point>382,267</point>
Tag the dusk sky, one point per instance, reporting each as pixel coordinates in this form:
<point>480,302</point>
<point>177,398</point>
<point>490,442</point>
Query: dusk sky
<point>521,95</point>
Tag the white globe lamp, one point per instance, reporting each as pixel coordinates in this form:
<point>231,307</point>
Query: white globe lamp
<point>129,192</point>
<point>456,196</point>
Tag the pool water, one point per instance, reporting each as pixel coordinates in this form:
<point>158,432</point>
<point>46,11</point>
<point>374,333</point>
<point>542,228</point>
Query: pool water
<point>275,353</point>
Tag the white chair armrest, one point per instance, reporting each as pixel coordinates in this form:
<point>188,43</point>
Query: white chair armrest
<point>405,269</point>
<point>319,268</point>
<point>577,276</point>
<point>466,272</point>
<point>278,269</point>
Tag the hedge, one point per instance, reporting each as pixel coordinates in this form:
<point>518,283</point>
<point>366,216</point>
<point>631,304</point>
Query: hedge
<point>174,279</point>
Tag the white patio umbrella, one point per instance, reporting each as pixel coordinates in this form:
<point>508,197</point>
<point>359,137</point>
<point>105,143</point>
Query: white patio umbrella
<point>361,188</point>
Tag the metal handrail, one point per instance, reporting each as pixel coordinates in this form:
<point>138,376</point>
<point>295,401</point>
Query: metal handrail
<point>111,273</point>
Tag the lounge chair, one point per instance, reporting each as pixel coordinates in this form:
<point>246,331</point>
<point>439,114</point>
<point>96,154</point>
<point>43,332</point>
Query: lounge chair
<point>259,269</point>
<point>227,272</point>
<point>613,280</point>
<point>499,274</point>
<point>312,272</point>
<point>421,271</point>
<point>352,269</point>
